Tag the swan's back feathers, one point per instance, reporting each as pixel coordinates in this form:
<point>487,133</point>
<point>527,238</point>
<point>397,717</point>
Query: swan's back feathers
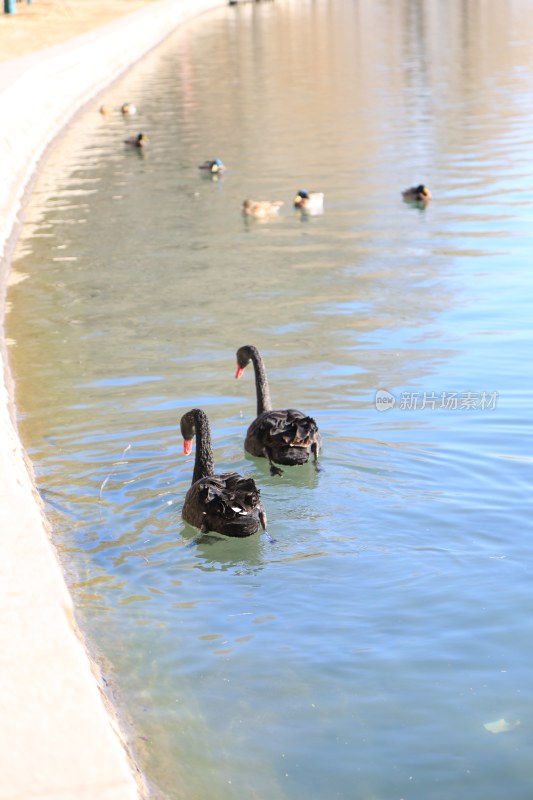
<point>289,427</point>
<point>287,434</point>
<point>228,503</point>
<point>229,495</point>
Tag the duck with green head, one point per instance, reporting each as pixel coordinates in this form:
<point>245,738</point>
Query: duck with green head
<point>310,202</point>
<point>214,167</point>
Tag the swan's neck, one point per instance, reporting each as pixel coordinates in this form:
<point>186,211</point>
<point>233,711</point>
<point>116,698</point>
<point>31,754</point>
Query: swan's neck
<point>264,402</point>
<point>203,461</point>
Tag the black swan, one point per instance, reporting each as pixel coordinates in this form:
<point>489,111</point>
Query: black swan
<point>228,503</point>
<point>286,436</point>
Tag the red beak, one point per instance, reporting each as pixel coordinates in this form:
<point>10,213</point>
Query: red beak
<point>187,446</point>
<point>239,372</point>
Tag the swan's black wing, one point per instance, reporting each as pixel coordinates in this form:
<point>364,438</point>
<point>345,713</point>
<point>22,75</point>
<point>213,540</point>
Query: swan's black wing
<point>286,436</point>
<point>228,504</point>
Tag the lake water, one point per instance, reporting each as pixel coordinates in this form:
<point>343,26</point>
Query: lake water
<point>360,654</point>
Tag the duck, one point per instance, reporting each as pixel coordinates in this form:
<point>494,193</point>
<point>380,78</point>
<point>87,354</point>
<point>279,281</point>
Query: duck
<point>229,504</point>
<point>215,167</point>
<point>128,109</point>
<point>285,436</point>
<point>261,209</point>
<point>312,202</point>
<point>417,194</point>
<point>137,141</point>
<point>105,110</point>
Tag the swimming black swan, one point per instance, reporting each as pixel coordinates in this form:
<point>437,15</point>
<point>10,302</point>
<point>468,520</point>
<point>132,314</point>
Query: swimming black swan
<point>228,503</point>
<point>286,436</point>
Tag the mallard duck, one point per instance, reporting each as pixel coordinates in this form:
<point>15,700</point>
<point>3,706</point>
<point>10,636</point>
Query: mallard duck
<point>313,202</point>
<point>284,436</point>
<point>260,209</point>
<point>227,503</point>
<point>128,109</point>
<point>137,141</point>
<point>215,167</point>
<point>417,194</point>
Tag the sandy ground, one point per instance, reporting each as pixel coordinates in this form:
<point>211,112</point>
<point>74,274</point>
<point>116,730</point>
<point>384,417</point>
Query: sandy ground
<point>45,23</point>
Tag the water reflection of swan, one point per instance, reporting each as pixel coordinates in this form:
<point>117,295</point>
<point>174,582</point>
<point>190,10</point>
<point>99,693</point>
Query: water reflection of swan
<point>284,436</point>
<point>227,503</point>
<point>220,554</point>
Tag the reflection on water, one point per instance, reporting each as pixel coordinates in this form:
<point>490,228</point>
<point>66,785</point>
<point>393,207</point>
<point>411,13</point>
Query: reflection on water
<point>361,649</point>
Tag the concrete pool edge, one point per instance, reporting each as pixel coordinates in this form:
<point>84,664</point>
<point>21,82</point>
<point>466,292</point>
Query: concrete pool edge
<point>64,740</point>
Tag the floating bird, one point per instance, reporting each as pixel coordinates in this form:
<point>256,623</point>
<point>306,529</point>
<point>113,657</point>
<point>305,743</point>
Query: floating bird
<point>312,202</point>
<point>128,109</point>
<point>105,111</point>
<point>285,436</point>
<point>137,141</point>
<point>417,194</point>
<point>215,167</point>
<point>261,209</point>
<point>227,503</point>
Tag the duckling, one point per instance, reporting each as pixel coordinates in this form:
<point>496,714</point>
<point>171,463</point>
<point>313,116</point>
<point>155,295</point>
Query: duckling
<point>313,202</point>
<point>137,141</point>
<point>260,209</point>
<point>128,109</point>
<point>215,167</point>
<point>105,111</point>
<point>417,194</point>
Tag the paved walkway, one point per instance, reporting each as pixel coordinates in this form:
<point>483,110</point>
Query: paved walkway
<point>59,738</point>
<point>45,23</point>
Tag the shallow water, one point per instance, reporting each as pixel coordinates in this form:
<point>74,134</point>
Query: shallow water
<point>361,653</point>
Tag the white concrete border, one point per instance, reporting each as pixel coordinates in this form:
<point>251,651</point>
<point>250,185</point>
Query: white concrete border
<point>58,738</point>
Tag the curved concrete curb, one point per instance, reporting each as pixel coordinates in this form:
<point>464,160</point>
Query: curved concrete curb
<point>59,740</point>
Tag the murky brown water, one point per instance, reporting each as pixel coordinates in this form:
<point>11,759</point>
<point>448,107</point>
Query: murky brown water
<point>361,654</point>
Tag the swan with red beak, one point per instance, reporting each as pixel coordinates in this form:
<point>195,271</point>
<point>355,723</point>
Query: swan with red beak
<point>228,503</point>
<point>284,436</point>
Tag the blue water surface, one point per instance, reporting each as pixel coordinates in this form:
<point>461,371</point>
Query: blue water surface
<point>360,650</point>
